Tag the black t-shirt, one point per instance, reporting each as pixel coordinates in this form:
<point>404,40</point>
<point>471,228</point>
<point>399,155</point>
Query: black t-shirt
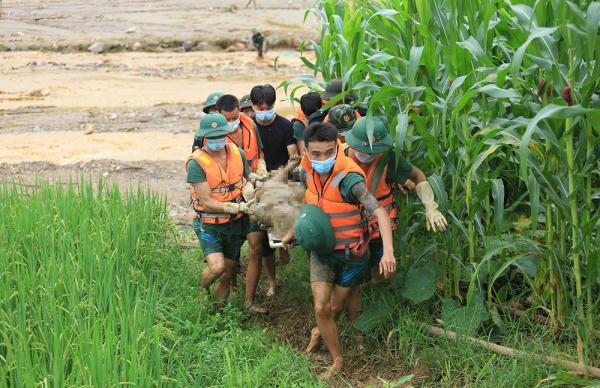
<point>275,139</point>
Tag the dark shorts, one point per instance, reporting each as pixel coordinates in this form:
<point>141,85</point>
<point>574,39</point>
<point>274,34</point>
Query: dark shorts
<point>338,272</point>
<point>376,248</point>
<point>219,239</point>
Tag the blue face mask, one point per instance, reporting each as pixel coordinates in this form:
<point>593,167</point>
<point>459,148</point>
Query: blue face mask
<point>265,116</point>
<point>361,157</point>
<point>216,144</point>
<point>323,167</point>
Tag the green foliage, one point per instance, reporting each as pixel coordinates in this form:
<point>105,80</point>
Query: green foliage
<point>507,96</point>
<point>95,292</point>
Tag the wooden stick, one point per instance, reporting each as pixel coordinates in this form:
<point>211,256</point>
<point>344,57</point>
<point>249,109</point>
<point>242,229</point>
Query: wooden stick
<point>537,318</point>
<point>515,353</point>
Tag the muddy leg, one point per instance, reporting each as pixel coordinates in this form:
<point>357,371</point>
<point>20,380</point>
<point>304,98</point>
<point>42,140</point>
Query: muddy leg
<point>269,262</point>
<point>322,293</point>
<point>254,269</point>
<point>353,309</point>
<point>216,268</point>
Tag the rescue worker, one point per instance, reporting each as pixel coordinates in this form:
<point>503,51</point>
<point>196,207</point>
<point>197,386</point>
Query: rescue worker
<point>397,171</point>
<point>220,178</point>
<point>246,137</point>
<point>246,106</point>
<point>277,136</point>
<point>211,102</point>
<point>259,42</point>
<point>309,104</point>
<point>337,185</point>
<point>334,88</point>
<point>343,118</point>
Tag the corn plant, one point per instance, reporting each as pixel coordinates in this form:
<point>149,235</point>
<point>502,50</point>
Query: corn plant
<point>497,102</point>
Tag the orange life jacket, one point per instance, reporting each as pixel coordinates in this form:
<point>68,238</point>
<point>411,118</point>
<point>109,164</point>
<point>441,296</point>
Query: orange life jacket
<point>347,220</point>
<point>249,141</point>
<point>301,117</point>
<point>384,192</point>
<point>226,186</point>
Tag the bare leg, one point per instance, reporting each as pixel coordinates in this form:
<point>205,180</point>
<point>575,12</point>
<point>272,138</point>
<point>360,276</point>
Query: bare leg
<point>250,2</point>
<point>339,297</point>
<point>353,309</point>
<point>254,268</point>
<point>234,279</point>
<point>322,293</point>
<point>269,262</point>
<point>218,268</point>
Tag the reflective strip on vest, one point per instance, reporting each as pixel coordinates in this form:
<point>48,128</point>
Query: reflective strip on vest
<point>227,189</point>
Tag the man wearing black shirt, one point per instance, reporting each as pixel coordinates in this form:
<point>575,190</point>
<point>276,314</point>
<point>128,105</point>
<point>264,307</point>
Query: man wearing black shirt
<point>277,136</point>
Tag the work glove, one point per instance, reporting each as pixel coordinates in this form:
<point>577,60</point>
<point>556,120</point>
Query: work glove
<point>432,214</point>
<point>261,170</point>
<point>252,178</point>
<point>235,208</point>
<point>248,192</point>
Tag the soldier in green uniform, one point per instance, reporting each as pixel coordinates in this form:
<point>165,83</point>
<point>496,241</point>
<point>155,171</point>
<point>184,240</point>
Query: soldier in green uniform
<point>211,102</point>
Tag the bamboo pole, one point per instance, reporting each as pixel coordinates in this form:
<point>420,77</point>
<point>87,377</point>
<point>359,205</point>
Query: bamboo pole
<point>534,317</point>
<point>578,367</point>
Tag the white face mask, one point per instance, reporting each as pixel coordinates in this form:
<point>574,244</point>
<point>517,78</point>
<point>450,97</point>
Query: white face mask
<point>364,158</point>
<point>234,124</point>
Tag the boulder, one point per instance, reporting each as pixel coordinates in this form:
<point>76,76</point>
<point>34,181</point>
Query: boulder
<point>202,46</point>
<point>187,45</point>
<point>272,41</point>
<point>232,49</point>
<point>137,46</point>
<point>96,48</point>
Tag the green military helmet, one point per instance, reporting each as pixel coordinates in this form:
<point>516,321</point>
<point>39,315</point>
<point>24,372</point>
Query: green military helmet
<point>254,29</point>
<point>334,87</point>
<point>245,102</point>
<point>213,125</point>
<point>343,117</point>
<point>211,100</point>
<point>313,230</point>
<point>357,137</point>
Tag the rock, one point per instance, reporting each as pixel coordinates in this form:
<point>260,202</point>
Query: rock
<point>111,169</point>
<point>199,115</point>
<point>12,47</point>
<point>240,46</point>
<point>96,48</point>
<point>137,46</point>
<point>159,49</point>
<point>131,30</point>
<point>153,43</point>
<point>187,45</point>
<point>45,92</point>
<point>202,46</point>
<point>181,49</point>
<point>297,42</point>
<point>272,41</point>
<point>25,48</point>
<point>309,47</point>
<point>231,49</point>
<point>89,129</point>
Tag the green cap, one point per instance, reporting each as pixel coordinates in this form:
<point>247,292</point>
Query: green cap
<point>334,87</point>
<point>254,29</point>
<point>343,117</point>
<point>313,230</point>
<point>245,102</point>
<point>213,125</point>
<point>357,137</point>
<point>211,100</point>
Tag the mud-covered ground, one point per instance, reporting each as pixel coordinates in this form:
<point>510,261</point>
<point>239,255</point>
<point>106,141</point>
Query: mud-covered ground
<point>128,116</point>
<point>79,23</point>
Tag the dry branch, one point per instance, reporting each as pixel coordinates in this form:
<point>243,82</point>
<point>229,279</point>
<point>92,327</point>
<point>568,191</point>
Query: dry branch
<point>580,368</point>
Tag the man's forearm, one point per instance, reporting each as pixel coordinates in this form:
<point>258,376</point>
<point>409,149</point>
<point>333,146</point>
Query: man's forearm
<point>385,229</point>
<point>292,149</point>
<point>417,175</point>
